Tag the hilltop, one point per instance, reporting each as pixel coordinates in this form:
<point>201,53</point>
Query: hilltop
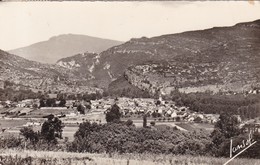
<point>62,46</point>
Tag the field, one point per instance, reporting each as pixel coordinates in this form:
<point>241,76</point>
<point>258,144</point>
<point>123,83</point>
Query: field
<point>195,126</point>
<point>12,123</point>
<point>12,126</point>
<point>9,157</point>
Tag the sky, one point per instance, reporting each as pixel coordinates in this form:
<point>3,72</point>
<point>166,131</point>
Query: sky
<point>25,23</point>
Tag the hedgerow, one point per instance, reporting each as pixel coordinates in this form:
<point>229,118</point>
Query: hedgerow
<point>122,138</point>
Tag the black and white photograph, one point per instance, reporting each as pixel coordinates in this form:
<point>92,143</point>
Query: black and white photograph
<point>130,83</point>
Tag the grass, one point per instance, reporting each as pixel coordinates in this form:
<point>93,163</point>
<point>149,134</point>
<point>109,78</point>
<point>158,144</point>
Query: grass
<point>11,123</point>
<point>196,126</point>
<point>9,157</point>
<point>186,126</point>
<point>43,112</point>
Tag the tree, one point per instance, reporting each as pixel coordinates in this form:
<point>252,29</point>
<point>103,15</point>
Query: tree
<point>105,94</point>
<point>52,129</point>
<point>228,125</point>
<point>62,103</point>
<point>253,152</point>
<point>88,106</point>
<point>152,123</point>
<point>226,128</point>
<point>35,106</point>
<point>144,121</point>
<point>158,102</point>
<point>28,133</point>
<point>113,114</point>
<point>42,103</point>
<point>129,122</point>
<point>81,109</point>
<point>50,103</point>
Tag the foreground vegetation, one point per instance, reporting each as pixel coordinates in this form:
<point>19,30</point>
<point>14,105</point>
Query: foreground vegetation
<point>10,157</point>
<point>123,137</point>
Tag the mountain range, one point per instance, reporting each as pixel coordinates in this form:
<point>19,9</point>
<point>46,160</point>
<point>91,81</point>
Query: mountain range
<point>63,46</point>
<point>40,77</point>
<point>220,58</point>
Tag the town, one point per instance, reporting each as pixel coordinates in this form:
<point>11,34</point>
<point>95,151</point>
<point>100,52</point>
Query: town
<point>30,112</point>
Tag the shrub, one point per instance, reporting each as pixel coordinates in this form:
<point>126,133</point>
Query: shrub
<point>10,142</point>
<point>28,133</point>
<point>129,122</point>
<point>152,123</point>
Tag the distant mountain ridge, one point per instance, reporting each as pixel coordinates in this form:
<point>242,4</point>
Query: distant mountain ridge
<point>225,57</point>
<point>62,46</point>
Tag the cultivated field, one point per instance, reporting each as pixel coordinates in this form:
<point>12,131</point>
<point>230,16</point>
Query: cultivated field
<point>10,157</point>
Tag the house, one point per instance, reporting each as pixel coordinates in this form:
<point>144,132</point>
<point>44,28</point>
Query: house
<point>212,118</point>
<point>20,104</point>
<point>30,124</point>
<point>174,114</point>
<point>8,102</point>
<point>52,96</point>
<point>251,127</point>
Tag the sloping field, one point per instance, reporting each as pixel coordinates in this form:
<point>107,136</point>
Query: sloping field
<point>196,126</point>
<point>186,126</point>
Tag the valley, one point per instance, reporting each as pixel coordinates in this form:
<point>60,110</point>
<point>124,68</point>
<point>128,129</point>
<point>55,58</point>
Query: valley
<point>177,96</point>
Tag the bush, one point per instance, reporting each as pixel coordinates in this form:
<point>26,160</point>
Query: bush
<point>29,134</point>
<point>10,142</point>
<point>152,123</point>
<point>129,122</point>
<point>118,137</point>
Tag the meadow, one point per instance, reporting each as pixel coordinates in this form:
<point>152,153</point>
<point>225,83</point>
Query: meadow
<point>28,157</point>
